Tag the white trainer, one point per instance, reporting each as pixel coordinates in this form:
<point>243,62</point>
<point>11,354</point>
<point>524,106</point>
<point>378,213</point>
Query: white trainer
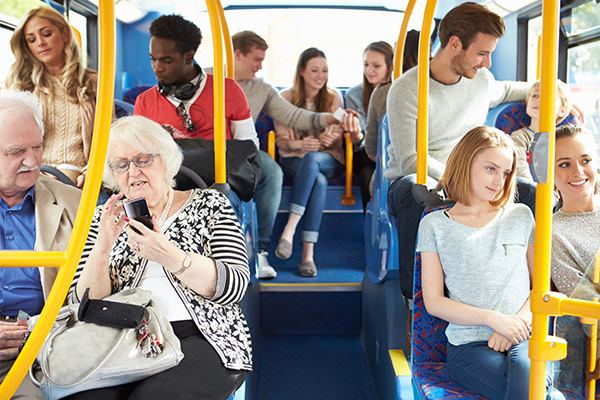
<point>265,271</point>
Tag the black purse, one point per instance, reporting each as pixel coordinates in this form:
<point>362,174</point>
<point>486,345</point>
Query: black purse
<point>243,164</point>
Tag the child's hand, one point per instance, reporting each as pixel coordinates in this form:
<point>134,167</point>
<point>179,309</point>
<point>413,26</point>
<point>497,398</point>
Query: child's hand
<point>497,342</point>
<point>511,327</point>
<point>310,143</point>
<point>327,139</point>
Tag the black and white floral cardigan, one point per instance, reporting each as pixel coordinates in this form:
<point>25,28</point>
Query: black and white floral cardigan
<point>206,225</point>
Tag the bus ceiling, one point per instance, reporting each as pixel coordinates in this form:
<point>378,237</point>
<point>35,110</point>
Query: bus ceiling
<point>129,11</point>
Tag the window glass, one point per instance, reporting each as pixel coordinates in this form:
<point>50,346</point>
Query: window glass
<point>340,33</point>
<point>17,8</point>
<point>79,22</point>
<point>581,19</point>
<point>7,55</point>
<point>534,30</point>
<point>584,81</point>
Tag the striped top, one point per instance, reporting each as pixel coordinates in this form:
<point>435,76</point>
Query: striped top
<point>206,225</point>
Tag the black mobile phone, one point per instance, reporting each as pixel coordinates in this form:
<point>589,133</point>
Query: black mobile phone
<point>138,209</point>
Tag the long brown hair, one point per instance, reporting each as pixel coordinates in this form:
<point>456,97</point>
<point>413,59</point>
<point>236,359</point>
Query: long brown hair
<point>324,98</point>
<point>28,73</point>
<point>367,87</point>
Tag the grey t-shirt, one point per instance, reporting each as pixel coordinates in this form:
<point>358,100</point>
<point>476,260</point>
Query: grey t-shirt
<point>483,267</point>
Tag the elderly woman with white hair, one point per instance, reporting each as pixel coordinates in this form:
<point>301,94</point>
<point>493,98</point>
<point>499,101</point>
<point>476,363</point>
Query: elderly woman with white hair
<point>193,261</point>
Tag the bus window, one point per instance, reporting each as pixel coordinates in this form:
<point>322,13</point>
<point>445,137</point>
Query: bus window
<point>79,22</point>
<point>7,54</point>
<point>288,32</point>
<point>534,30</point>
<point>581,25</point>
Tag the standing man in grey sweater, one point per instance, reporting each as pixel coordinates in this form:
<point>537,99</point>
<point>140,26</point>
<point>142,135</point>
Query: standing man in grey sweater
<point>461,91</point>
<point>249,53</point>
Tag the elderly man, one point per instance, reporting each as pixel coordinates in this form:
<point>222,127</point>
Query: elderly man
<point>36,213</point>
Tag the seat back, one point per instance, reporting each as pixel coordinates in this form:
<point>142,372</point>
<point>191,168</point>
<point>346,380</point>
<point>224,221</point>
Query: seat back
<point>509,117</point>
<point>428,332</point>
<point>132,93</point>
<point>122,108</point>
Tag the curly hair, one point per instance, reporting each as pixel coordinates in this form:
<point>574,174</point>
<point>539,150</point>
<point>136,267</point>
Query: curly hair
<point>186,35</point>
<point>28,73</point>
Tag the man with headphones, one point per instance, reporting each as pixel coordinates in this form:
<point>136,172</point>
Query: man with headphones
<point>183,97</point>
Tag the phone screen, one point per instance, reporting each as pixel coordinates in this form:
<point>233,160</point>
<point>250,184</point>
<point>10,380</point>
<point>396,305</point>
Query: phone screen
<point>138,209</point>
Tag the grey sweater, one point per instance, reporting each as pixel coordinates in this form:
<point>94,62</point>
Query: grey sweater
<point>377,109</point>
<point>575,240</point>
<point>453,111</point>
<point>264,97</point>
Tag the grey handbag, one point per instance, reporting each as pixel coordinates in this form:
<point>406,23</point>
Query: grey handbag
<point>79,356</point>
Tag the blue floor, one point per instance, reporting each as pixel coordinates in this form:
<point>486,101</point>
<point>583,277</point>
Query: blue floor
<point>339,254</point>
<point>316,366</point>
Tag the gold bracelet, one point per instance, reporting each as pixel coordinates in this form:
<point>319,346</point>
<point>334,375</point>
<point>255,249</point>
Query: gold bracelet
<point>185,264</point>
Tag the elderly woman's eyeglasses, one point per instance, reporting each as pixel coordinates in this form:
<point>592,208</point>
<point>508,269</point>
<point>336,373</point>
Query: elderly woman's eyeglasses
<point>187,121</point>
<point>140,161</point>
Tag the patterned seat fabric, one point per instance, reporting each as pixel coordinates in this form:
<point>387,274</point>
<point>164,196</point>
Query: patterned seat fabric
<point>132,93</point>
<point>431,379</point>
<point>514,117</point>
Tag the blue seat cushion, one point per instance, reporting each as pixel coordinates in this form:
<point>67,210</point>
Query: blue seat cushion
<point>434,382</point>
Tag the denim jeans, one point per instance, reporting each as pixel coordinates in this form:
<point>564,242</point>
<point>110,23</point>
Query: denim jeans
<point>236,204</point>
<point>493,374</point>
<point>408,214</point>
<point>267,198</point>
<point>309,175</point>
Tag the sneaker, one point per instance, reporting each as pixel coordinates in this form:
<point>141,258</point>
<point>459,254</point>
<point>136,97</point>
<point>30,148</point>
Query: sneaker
<point>265,271</point>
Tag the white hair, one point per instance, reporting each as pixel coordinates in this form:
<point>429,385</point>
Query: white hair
<point>145,136</point>
<point>23,102</point>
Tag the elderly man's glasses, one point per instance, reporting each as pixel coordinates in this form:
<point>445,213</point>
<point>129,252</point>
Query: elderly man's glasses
<point>187,121</point>
<point>140,161</point>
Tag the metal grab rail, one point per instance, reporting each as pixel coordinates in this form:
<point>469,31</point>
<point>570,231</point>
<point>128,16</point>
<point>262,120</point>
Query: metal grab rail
<point>69,260</point>
<point>423,92</point>
<point>219,92</point>
<point>400,44</point>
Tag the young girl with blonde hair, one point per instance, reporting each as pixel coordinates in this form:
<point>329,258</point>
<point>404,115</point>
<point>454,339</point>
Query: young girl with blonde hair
<point>477,261</point>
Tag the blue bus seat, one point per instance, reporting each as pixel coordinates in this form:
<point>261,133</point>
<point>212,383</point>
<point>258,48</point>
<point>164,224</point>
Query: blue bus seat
<point>431,379</point>
<point>132,93</point>
<point>509,117</point>
<point>381,245</point>
<point>123,108</point>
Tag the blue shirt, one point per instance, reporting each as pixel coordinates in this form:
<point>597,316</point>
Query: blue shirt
<point>20,288</point>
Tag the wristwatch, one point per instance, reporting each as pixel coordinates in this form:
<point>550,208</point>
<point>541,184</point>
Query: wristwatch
<point>185,264</point>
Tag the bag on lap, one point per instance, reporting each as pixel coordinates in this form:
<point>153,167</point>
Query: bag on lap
<point>128,340</point>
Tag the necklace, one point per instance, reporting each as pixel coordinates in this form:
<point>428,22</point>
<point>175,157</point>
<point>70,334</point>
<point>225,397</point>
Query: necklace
<point>167,208</point>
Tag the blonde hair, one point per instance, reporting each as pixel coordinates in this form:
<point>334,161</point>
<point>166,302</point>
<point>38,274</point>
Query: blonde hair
<point>562,92</point>
<point>28,73</point>
<point>457,176</point>
<point>146,136</point>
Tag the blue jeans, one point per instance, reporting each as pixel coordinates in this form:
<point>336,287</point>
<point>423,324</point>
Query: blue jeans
<point>236,204</point>
<point>408,214</point>
<point>267,198</point>
<point>309,175</point>
<point>493,374</point>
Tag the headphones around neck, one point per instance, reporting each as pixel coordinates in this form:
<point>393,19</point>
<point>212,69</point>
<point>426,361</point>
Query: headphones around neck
<point>183,91</point>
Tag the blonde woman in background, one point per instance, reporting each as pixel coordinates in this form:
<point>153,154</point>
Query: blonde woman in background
<point>48,63</point>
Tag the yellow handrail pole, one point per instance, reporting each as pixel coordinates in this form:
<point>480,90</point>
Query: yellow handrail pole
<point>226,40</point>
<point>399,56</point>
<point>348,199</point>
<point>539,352</point>
<point>219,93</point>
<point>271,144</point>
<point>86,206</point>
<point>590,384</point>
<point>538,69</point>
<point>423,92</point>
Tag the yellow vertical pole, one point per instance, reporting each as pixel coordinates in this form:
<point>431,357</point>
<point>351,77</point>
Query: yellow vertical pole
<point>538,69</point>
<point>219,94</point>
<point>543,205</point>
<point>401,42</point>
<point>84,214</point>
<point>423,98</point>
<point>227,41</point>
